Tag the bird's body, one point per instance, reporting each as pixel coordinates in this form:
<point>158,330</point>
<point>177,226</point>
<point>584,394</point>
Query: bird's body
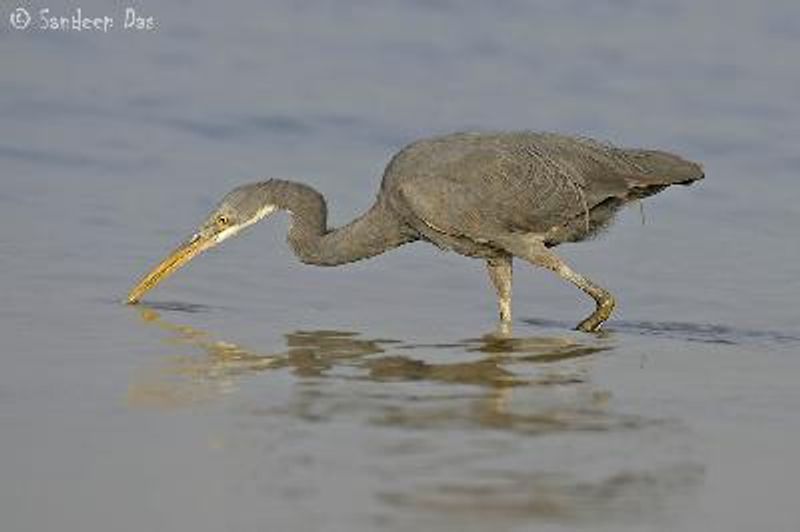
<point>472,188</point>
<point>492,196</point>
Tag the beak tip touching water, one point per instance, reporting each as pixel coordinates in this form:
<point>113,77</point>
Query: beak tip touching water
<point>175,260</point>
<point>135,295</point>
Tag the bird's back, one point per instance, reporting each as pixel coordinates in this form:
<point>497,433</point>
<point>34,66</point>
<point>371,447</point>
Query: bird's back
<point>473,184</point>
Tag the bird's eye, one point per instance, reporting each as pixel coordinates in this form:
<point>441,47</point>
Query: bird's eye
<point>223,220</point>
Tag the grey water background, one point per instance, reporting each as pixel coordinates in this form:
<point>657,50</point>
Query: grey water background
<point>251,392</point>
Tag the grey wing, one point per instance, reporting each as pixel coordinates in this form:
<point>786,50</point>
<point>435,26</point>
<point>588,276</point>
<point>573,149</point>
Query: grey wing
<point>525,183</point>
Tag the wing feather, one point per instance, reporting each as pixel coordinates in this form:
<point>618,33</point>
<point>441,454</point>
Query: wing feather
<point>476,184</point>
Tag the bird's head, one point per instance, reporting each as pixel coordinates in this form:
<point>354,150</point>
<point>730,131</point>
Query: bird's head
<point>241,207</point>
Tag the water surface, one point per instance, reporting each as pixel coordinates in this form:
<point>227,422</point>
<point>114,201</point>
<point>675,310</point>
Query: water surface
<point>250,392</point>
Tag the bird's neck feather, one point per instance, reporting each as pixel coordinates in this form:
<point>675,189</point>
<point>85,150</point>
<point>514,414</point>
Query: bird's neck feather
<point>370,234</point>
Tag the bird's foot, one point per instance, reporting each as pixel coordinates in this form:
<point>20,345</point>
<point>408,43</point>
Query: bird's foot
<point>604,309</point>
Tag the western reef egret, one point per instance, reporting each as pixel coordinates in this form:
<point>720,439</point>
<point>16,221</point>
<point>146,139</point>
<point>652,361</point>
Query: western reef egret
<point>492,196</point>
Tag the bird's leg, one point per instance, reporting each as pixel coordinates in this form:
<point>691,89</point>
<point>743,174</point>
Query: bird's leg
<point>500,274</point>
<point>535,252</point>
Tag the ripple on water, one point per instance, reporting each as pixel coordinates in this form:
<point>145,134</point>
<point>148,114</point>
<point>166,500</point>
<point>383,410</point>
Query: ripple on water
<point>518,496</point>
<point>687,331</point>
<point>176,306</point>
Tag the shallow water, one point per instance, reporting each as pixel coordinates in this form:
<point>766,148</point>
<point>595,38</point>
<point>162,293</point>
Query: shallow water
<point>251,392</point>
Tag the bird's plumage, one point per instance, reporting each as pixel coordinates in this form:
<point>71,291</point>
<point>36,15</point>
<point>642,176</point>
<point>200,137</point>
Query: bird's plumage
<point>476,186</point>
<point>489,195</point>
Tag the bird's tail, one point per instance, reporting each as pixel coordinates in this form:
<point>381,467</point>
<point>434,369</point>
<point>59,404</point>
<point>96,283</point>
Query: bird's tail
<point>657,170</point>
<point>662,168</point>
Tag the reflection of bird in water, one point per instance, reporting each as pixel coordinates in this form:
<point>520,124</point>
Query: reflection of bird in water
<point>543,367</point>
<point>491,196</point>
<point>344,383</point>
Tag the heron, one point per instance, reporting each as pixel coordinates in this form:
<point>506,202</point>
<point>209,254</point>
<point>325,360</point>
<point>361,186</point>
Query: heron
<point>487,195</point>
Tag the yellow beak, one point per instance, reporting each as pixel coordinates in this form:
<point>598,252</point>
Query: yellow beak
<point>180,256</point>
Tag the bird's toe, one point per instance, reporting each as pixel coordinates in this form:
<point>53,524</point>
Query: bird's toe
<point>604,309</point>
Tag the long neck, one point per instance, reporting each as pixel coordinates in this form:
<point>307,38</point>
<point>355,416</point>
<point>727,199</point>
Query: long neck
<point>371,234</point>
